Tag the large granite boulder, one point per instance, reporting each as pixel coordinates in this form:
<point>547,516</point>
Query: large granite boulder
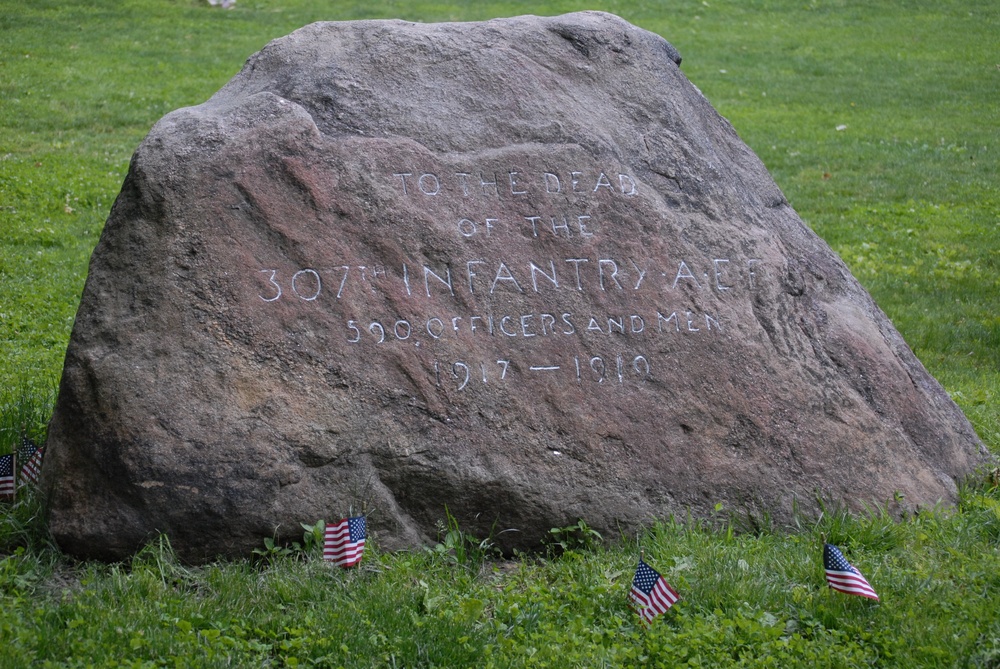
<point>518,269</point>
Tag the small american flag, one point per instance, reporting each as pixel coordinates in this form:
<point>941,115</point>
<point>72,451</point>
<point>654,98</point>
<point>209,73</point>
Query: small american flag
<point>32,469</point>
<point>31,458</point>
<point>842,576</point>
<point>345,542</point>
<point>7,476</point>
<point>650,594</point>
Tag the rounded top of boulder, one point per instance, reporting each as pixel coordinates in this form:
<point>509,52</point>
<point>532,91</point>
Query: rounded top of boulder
<point>462,86</point>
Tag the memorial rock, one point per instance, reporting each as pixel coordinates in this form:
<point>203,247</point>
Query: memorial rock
<point>518,271</point>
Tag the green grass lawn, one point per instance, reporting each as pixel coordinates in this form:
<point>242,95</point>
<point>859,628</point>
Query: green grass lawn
<point>881,123</point>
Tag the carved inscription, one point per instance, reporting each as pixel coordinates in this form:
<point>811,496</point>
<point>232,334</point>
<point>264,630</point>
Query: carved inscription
<point>675,284</point>
<point>491,276</point>
<point>514,182</point>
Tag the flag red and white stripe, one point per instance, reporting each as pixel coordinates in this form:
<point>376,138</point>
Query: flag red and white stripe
<point>344,543</point>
